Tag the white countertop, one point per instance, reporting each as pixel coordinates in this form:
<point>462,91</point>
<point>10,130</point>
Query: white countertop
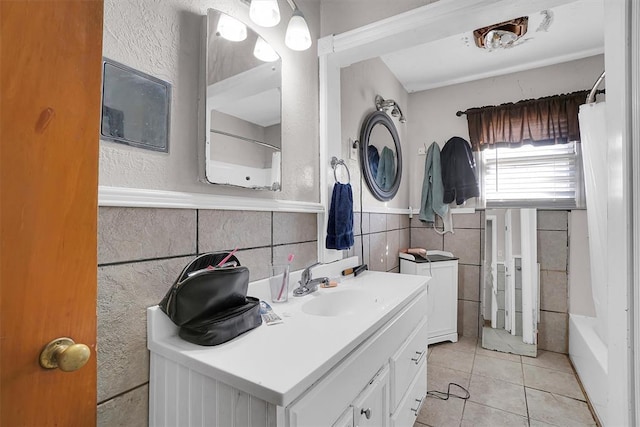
<point>277,363</point>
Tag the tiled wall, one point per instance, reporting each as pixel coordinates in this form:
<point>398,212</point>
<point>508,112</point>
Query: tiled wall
<point>141,252</point>
<point>467,243</point>
<point>553,256</point>
<point>382,236</point>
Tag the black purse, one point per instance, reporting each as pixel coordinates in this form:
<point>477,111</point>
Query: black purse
<point>210,303</point>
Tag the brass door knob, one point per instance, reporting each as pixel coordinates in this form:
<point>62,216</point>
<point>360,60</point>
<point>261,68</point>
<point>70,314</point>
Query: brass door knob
<point>65,354</point>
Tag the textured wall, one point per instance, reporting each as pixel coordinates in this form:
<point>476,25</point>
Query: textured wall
<point>360,83</point>
<point>433,112</point>
<point>140,254</point>
<point>162,38</point>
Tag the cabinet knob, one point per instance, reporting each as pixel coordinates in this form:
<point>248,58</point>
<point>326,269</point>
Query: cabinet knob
<point>366,412</point>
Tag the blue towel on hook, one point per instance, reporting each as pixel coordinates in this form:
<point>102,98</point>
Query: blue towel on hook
<point>340,226</point>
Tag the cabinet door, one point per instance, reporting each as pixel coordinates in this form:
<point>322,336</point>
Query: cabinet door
<point>346,419</point>
<point>442,298</point>
<point>371,407</point>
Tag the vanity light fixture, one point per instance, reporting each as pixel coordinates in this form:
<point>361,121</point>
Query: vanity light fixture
<point>266,14</point>
<point>502,35</point>
<point>384,104</point>
<point>264,52</point>
<point>231,29</point>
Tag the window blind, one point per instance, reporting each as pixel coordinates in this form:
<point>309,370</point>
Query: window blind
<point>537,176</point>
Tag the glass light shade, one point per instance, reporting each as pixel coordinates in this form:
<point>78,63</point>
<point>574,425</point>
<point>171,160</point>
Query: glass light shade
<point>231,29</point>
<point>264,52</point>
<point>499,39</point>
<point>298,36</point>
<point>265,12</point>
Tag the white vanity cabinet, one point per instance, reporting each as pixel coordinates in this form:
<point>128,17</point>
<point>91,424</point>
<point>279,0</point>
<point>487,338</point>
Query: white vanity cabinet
<point>442,290</point>
<point>309,371</point>
<point>362,383</point>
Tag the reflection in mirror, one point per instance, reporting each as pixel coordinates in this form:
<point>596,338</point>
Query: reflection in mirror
<point>243,106</point>
<point>135,107</point>
<point>380,146</point>
<point>510,284</point>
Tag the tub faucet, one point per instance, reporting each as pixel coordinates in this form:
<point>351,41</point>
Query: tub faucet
<point>307,284</point>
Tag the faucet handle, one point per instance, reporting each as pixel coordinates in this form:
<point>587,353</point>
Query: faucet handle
<point>306,274</point>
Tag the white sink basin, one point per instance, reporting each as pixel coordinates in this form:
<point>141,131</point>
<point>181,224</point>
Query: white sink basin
<point>342,303</point>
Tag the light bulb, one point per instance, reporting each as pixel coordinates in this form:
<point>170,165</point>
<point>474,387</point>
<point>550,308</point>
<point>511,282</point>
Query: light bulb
<point>265,12</point>
<point>264,52</point>
<point>297,36</point>
<point>231,29</point>
<point>496,39</point>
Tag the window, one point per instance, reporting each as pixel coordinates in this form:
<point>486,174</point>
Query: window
<point>548,176</point>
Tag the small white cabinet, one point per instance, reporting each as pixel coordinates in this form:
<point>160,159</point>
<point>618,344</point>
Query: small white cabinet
<point>442,293</point>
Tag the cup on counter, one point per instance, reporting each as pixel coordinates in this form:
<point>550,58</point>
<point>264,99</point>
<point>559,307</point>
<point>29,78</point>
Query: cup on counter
<point>279,283</point>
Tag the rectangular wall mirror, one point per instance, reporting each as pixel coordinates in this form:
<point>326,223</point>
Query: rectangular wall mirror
<point>242,107</point>
<point>510,308</point>
<point>135,107</point>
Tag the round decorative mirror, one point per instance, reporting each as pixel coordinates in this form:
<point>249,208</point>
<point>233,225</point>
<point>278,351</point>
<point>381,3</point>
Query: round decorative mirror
<point>380,155</point>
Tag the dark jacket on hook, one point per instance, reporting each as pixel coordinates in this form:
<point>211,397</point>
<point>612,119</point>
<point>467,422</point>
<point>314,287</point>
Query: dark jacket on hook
<point>458,171</point>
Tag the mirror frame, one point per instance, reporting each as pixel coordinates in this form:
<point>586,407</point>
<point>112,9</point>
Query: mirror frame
<point>238,175</point>
<point>140,77</point>
<point>373,119</point>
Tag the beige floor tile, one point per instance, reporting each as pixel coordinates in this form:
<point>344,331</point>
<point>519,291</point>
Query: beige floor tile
<point>552,381</point>
<point>557,410</point>
<point>498,394</point>
<point>458,360</point>
<point>497,354</point>
<point>466,344</point>
<point>481,416</point>
<point>438,378</point>
<point>437,412</point>
<point>499,369</point>
<point>550,360</point>
<point>536,423</point>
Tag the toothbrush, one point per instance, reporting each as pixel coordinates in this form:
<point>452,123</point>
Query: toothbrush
<point>225,259</point>
<point>285,276</point>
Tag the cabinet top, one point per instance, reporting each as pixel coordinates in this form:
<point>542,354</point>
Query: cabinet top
<point>430,258</point>
<point>277,363</point>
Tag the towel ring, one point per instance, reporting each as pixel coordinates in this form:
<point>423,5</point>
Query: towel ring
<point>334,164</point>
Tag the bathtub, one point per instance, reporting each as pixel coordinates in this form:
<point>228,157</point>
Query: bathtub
<point>588,353</point>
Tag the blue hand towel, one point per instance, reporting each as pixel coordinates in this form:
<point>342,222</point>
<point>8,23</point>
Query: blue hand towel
<point>340,225</point>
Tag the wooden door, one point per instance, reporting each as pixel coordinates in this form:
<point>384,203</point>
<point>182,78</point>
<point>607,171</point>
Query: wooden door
<point>50,77</point>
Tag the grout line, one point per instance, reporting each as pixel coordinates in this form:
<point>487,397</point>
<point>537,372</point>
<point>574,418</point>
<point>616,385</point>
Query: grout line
<point>198,231</point>
<point>109,264</point>
<point>122,393</point>
<point>272,255</point>
<point>524,386</point>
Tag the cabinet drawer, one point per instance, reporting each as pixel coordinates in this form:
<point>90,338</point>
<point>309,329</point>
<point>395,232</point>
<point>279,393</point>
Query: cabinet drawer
<point>407,412</point>
<point>406,362</point>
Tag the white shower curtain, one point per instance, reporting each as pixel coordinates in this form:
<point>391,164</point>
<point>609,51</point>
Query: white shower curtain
<point>593,135</point>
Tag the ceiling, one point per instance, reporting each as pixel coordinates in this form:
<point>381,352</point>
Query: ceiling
<point>576,30</point>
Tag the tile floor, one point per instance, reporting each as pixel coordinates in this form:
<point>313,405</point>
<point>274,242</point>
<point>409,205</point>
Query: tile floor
<point>505,389</point>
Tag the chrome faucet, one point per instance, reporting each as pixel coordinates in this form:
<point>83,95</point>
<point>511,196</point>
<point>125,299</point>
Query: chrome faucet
<point>307,284</point>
